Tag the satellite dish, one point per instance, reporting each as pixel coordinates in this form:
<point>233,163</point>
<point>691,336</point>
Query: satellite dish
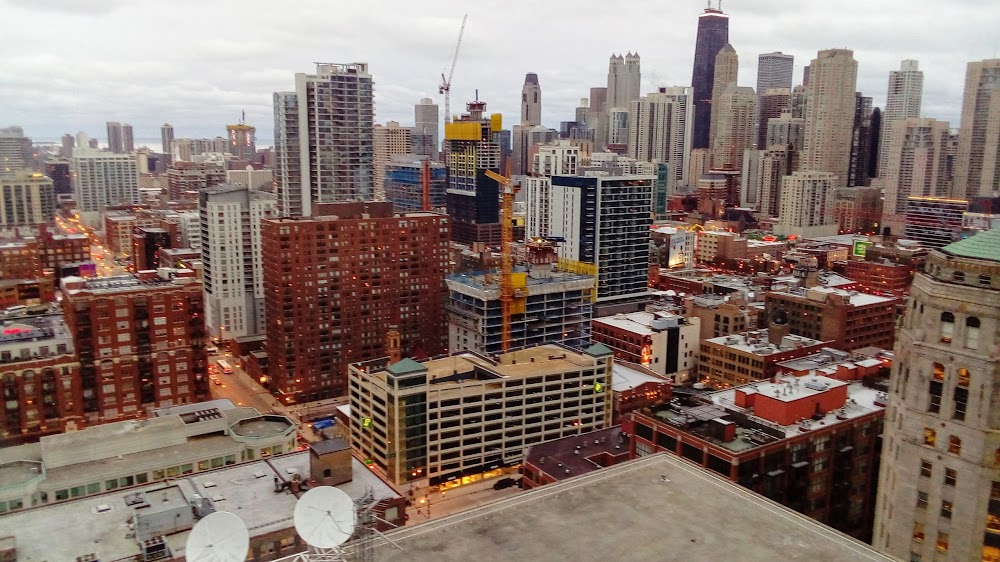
<point>324,517</point>
<point>219,537</point>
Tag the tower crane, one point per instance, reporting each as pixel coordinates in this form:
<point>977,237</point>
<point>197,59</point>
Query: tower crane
<point>445,87</point>
<point>507,193</point>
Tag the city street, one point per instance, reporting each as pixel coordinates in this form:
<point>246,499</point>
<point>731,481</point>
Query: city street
<point>106,266</point>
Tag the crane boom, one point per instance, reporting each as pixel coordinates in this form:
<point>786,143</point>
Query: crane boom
<point>445,87</point>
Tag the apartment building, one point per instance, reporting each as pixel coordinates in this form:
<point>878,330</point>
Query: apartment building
<point>185,179</point>
<point>848,319</point>
<point>26,199</point>
<point>751,356</point>
<point>664,343</point>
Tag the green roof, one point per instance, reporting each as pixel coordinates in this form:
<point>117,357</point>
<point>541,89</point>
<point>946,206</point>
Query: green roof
<point>406,366</point>
<point>598,350</point>
<point>982,246</point>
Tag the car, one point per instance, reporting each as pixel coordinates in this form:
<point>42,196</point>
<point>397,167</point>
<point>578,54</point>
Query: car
<point>504,483</point>
<point>212,350</point>
<point>215,379</point>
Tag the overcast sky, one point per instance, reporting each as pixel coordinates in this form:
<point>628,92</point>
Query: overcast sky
<point>69,65</point>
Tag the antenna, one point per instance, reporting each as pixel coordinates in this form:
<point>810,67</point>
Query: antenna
<point>219,537</point>
<point>324,517</point>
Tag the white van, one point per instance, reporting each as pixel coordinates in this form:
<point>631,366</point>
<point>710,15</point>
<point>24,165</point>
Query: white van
<point>212,350</point>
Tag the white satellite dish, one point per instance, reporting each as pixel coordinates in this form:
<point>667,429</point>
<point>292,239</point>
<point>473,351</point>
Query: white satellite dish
<point>324,517</point>
<point>219,537</point>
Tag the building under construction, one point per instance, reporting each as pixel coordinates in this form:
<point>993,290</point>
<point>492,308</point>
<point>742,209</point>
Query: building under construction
<point>552,302</point>
<point>473,198</point>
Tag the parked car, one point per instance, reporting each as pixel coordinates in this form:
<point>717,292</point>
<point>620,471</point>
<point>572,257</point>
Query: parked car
<point>504,483</point>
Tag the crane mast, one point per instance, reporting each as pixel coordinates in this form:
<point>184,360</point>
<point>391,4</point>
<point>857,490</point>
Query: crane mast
<point>507,193</point>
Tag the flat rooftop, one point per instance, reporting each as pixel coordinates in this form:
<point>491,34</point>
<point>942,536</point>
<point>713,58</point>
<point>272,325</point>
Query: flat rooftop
<point>579,454</point>
<point>626,376</point>
<point>641,323</point>
<point>659,507</point>
<point>756,342</point>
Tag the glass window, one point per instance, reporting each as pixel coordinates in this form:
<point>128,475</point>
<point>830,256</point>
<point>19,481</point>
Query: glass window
<point>173,471</point>
<point>94,488</point>
<point>954,445</point>
<point>111,484</point>
<point>938,372</point>
<point>972,332</point>
<point>950,477</point>
<point>187,468</point>
<point>930,437</point>
<point>946,507</point>
<point>921,500</point>
<point>947,326</point>
<point>942,541</point>
<point>78,491</point>
<point>964,377</point>
<point>925,469</point>
<point>62,495</point>
<point>159,474</point>
<point>141,478</point>
<point>126,481</point>
<point>918,531</point>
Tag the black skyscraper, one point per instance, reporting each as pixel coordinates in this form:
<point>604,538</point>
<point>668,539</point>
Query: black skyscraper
<point>713,34</point>
<point>874,134</point>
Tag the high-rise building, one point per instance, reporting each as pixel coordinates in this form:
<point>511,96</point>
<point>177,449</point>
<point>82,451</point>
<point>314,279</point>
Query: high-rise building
<point>120,139</point>
<point>404,183</point>
<point>857,174</point>
<point>624,78</point>
<point>531,100</point>
<point>875,142</point>
<point>526,140</point>
<point>806,206</point>
<point>231,218</point>
<point>242,141</point>
<point>26,199</point>
<point>390,140</point>
<point>773,165</point>
<point>903,98</point>
<point>727,66</point>
<point>323,138</point>
<point>934,221</point>
<point>977,164</point>
<point>662,125</point>
<point>473,198</point>
<point>786,131</point>
<point>367,272</point>
<point>167,137</point>
<point>253,178</point>
<point>736,114</point>
<point>140,340</point>
<point>597,116</point>
<point>103,178</point>
<point>605,222</point>
<point>915,165</point>
<point>427,122</point>
<point>713,34</point>
<point>68,142</point>
<point>771,104</point>
<point>15,149</point>
<point>830,114</point>
<point>774,70</point>
<point>938,485</point>
<point>800,101</point>
<point>187,149</point>
<point>185,179</point>
<point>58,169</point>
<point>558,158</point>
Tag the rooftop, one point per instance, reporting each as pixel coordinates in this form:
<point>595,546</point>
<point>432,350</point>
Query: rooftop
<point>756,342</point>
<point>821,294</point>
<point>579,454</point>
<point>643,323</point>
<point>653,508</point>
<point>626,376</point>
<point>982,246</point>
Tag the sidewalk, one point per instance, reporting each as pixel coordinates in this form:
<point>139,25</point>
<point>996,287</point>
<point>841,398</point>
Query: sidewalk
<point>419,513</point>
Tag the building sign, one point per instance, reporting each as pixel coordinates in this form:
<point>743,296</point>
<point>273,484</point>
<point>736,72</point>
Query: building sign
<point>366,422</point>
<point>598,387</point>
<point>860,248</point>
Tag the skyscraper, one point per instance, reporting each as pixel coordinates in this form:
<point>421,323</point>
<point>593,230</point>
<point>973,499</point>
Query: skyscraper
<point>323,138</point>
<point>771,103</point>
<point>713,34</point>
<point>727,66</point>
<point>904,94</point>
<point>736,113</point>
<point>939,487</point>
<point>874,142</point>
<point>774,70</point>
<point>531,100</point>
<point>977,165</point>
<point>120,140</point>
<point>623,81</point>
<point>426,118</point>
<point>15,149</point>
<point>68,142</point>
<point>390,140</point>
<point>231,216</point>
<point>860,137</point>
<point>473,199</point>
<point>830,114</point>
<point>661,131</point>
<point>916,153</point>
<point>166,137</point>
<point>242,141</point>
<point>806,205</point>
<point>102,179</point>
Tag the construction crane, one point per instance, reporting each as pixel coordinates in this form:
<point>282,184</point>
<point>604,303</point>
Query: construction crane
<point>445,87</point>
<point>425,182</point>
<point>507,193</point>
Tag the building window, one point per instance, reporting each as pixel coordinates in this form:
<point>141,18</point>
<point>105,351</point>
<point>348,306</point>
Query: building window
<point>918,532</point>
<point>954,445</point>
<point>947,326</point>
<point>950,477</point>
<point>921,500</point>
<point>642,449</point>
<point>972,332</point>
<point>942,541</point>
<point>961,402</point>
<point>916,557</point>
<point>934,392</point>
<point>925,469</point>
<point>930,437</point>
<point>938,372</point>
<point>946,507</point>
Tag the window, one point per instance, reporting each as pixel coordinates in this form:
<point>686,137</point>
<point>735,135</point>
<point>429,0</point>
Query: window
<point>950,477</point>
<point>934,392</point>
<point>930,437</point>
<point>947,326</point>
<point>972,332</point>
<point>942,541</point>
<point>938,372</point>
<point>946,507</point>
<point>921,500</point>
<point>925,469</point>
<point>954,445</point>
<point>964,377</point>
<point>961,402</point>
<point>918,531</point>
<point>111,484</point>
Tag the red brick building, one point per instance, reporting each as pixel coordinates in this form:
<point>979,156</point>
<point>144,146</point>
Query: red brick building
<point>140,340</point>
<point>810,443</point>
<point>61,250</point>
<point>337,282</point>
<point>848,319</point>
<point>880,278</point>
<point>571,456</point>
<point>20,260</point>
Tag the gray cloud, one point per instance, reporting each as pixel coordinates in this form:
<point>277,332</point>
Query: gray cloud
<point>68,65</point>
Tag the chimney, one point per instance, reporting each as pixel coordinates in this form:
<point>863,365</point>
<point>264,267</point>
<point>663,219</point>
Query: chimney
<point>392,346</point>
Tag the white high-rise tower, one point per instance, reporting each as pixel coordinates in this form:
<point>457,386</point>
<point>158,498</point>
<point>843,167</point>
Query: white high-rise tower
<point>905,92</point>
<point>977,166</point>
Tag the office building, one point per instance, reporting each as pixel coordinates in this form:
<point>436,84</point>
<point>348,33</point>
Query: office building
<point>28,199</point>
<point>605,221</point>
<point>618,130</point>
<point>736,113</point>
<point>66,149</point>
<point>903,99</point>
<point>597,116</point>
<point>552,304</point>
<point>624,80</point>
<point>774,70</point>
<point>771,104</point>
<point>938,487</point>
<point>262,180</point>
<point>185,179</point>
<point>146,246</point>
<point>671,248</point>
<point>404,183</point>
<point>773,165</point>
<point>806,207</point>
<point>427,122</point>
<point>473,199</point>
<point>753,356</point>
<point>242,141</point>
<point>231,257</point>
<point>558,158</point>
<point>390,140</point>
<point>727,65</point>
<point>58,170</point>
<point>62,252</point>
<point>500,414</point>
<point>393,268</point>
<point>661,131</point>
<point>934,221</point>
<point>786,131</point>
<point>167,137</point>
<point>104,179</point>
<point>531,100</point>
<point>120,139</point>
<point>858,209</point>
<point>915,164</point>
<point>20,260</point>
<point>140,340</point>
<point>664,343</point>
<point>188,149</point>
<point>713,35</point>
<point>526,139</point>
<point>977,163</point>
<point>848,320</point>
<point>830,114</point>
<point>15,149</point>
<point>857,174</point>
<point>323,138</point>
